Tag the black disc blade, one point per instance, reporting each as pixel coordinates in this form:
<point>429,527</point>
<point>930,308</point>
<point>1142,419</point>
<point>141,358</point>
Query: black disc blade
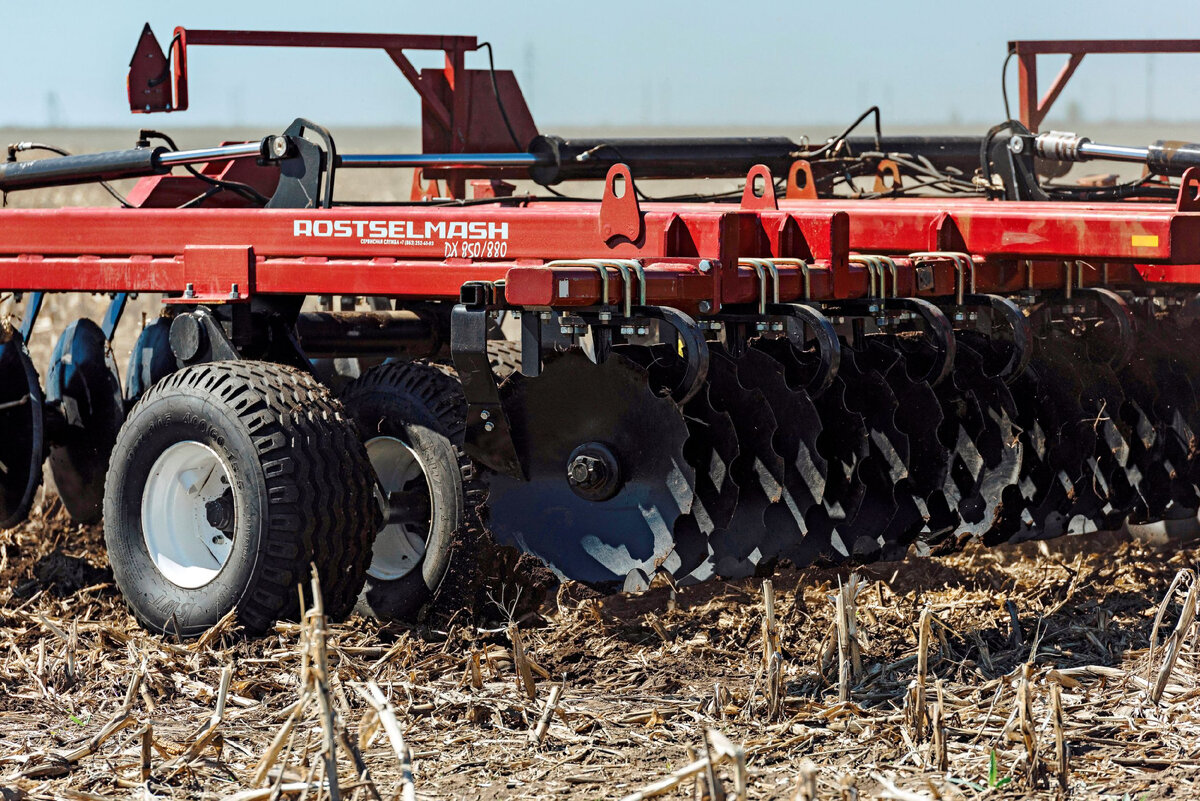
<point>1101,399</point>
<point>85,391</point>
<point>605,543</point>
<point>863,535</point>
<point>710,450</point>
<point>740,546</point>
<point>988,454</point>
<point>798,427</point>
<point>843,444</point>
<point>22,429</point>
<point>919,416</point>
<point>151,359</point>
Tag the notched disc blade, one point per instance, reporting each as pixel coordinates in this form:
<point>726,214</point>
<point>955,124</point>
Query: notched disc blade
<point>575,401</point>
<point>740,547</point>
<point>22,429</point>
<point>798,430</point>
<point>863,535</point>
<point>84,390</point>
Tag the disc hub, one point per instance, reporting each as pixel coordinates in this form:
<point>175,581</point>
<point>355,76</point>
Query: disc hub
<point>593,472</point>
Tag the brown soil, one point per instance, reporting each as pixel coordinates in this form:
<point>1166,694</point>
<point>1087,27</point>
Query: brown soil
<point>644,677</point>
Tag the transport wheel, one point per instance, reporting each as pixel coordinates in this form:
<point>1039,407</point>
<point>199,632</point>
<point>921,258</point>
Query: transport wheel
<point>231,479</point>
<point>410,417</point>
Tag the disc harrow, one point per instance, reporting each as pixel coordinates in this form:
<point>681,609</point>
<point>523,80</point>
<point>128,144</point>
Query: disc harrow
<point>852,356</point>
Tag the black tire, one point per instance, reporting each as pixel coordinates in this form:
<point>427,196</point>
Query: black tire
<point>301,493</point>
<point>422,406</point>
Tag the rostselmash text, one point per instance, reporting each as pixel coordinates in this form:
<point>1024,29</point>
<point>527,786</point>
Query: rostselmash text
<point>401,229</point>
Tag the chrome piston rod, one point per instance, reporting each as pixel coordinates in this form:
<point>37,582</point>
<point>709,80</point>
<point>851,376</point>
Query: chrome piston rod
<point>1162,158</point>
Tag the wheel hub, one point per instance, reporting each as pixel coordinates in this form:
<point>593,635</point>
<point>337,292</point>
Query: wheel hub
<point>407,496</point>
<point>220,512</point>
<point>593,472</point>
<point>189,514</point>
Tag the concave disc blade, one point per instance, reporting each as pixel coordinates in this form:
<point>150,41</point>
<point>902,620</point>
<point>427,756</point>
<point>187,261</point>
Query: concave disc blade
<point>1182,336</point>
<point>710,450</point>
<point>151,359</point>
<point>843,444</point>
<point>739,547</point>
<point>1149,437</point>
<point>987,466</point>
<point>919,416</point>
<point>22,429</point>
<point>83,386</point>
<point>796,434</point>
<point>1053,459</point>
<point>864,535</point>
<point>1101,400</point>
<point>604,543</point>
<point>1176,409</point>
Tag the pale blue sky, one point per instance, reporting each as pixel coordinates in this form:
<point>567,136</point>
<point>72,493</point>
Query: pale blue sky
<point>620,62</point>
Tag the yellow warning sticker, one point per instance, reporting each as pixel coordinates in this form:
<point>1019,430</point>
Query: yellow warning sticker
<point>1144,240</point>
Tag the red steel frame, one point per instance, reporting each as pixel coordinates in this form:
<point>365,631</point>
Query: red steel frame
<point>1033,109</point>
<point>691,252</point>
<point>1014,246</point>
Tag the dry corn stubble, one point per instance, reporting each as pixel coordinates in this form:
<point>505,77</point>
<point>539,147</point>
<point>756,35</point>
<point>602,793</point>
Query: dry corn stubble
<point>93,704</point>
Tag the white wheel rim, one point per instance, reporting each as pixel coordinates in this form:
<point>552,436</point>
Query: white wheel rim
<point>399,547</point>
<point>183,545</point>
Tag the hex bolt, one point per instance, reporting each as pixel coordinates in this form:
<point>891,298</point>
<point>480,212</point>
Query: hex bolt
<point>627,330</point>
<point>705,266</point>
<point>485,415</point>
<point>489,426</point>
<point>760,326</point>
<point>605,316</point>
<point>233,292</point>
<point>189,291</point>
<point>776,326</point>
<point>959,317</point>
<point>705,307</point>
<point>642,331</point>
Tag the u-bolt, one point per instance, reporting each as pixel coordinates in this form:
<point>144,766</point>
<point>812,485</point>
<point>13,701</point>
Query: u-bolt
<point>890,263</point>
<point>602,266</point>
<point>624,265</point>
<point>761,268</point>
<point>804,273</point>
<point>593,264</point>
<point>874,274</point>
<point>964,265</point>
